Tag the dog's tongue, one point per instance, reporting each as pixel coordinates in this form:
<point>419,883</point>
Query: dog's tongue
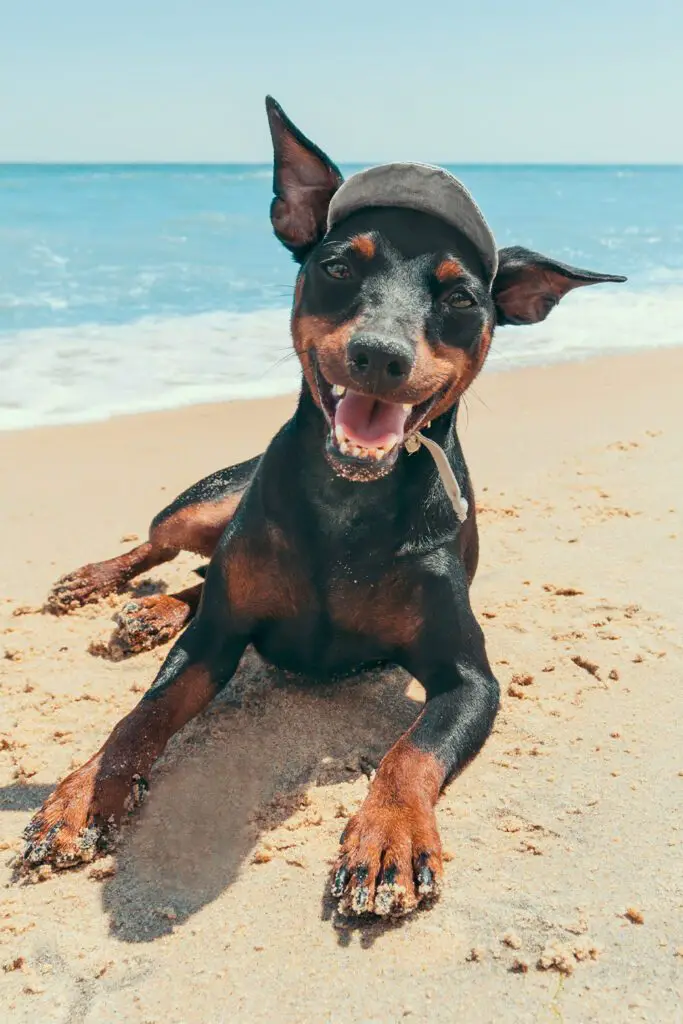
<point>369,422</point>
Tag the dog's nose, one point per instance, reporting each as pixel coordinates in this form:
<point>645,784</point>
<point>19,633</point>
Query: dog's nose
<point>378,363</point>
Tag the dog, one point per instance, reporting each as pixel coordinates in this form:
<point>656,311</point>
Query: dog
<point>337,549</point>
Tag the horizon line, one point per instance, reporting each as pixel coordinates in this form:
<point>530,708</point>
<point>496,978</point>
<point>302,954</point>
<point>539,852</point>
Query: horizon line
<point>267,165</point>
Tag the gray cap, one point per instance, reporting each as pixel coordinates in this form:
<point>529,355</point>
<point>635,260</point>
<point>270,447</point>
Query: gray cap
<point>418,187</point>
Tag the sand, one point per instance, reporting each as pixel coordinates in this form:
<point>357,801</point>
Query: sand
<point>563,897</point>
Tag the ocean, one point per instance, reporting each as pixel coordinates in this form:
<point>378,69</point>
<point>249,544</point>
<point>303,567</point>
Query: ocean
<point>130,288</point>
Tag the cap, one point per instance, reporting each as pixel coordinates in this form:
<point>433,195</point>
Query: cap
<point>419,187</point>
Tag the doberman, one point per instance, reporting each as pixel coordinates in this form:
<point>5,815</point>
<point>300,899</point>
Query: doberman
<point>337,549</point>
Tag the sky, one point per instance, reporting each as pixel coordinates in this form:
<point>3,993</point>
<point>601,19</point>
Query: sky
<point>585,81</point>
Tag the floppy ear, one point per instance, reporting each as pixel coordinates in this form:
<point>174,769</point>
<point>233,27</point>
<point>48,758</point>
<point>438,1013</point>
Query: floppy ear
<point>304,181</point>
<point>528,285</point>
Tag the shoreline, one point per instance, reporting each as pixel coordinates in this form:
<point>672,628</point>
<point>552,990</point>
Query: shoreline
<point>493,367</point>
<point>98,371</point>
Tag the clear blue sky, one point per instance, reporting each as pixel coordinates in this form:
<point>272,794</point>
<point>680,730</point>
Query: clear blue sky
<point>485,80</point>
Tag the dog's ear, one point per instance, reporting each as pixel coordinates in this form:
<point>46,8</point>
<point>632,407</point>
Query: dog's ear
<point>528,286</point>
<point>304,181</point>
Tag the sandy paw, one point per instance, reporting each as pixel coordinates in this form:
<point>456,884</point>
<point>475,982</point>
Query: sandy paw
<point>83,586</point>
<point>146,623</point>
<point>73,826</point>
<point>60,845</point>
<point>390,861</point>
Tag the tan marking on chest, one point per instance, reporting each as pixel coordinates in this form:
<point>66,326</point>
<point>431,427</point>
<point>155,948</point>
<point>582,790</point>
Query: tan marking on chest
<point>389,610</point>
<point>264,580</point>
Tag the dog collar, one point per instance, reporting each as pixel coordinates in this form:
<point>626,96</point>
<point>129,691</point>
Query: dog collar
<point>448,478</point>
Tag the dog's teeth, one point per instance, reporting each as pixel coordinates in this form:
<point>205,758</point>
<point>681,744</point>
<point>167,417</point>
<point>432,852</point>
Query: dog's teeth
<point>338,391</point>
<point>379,453</point>
<point>339,433</point>
<point>354,450</point>
<point>428,424</point>
<point>344,447</point>
<point>407,408</point>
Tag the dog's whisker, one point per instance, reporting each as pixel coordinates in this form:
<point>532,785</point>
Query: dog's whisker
<point>278,362</point>
<point>467,410</point>
<point>472,391</point>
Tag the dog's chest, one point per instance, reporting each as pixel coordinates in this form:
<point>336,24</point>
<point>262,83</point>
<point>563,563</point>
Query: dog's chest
<point>380,604</point>
<point>328,619</point>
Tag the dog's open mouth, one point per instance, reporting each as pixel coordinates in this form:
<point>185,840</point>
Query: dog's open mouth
<point>366,432</point>
<point>367,427</point>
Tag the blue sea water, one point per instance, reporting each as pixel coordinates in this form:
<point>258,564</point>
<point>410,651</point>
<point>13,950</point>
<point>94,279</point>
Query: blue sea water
<point>125,288</point>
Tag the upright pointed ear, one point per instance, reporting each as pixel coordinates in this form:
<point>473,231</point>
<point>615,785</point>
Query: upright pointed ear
<point>528,286</point>
<point>304,181</point>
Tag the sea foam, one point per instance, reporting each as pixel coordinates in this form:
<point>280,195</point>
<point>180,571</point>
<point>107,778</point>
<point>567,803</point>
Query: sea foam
<point>93,371</point>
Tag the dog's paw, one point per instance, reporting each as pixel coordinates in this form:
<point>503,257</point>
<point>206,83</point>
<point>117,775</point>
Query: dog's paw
<point>65,830</point>
<point>83,586</point>
<point>61,845</point>
<point>147,622</point>
<point>390,860</point>
<point>77,823</point>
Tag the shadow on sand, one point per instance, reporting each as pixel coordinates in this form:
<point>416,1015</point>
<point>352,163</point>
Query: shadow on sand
<point>266,738</point>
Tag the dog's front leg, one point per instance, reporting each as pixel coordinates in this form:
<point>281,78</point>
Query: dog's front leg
<point>75,821</point>
<point>390,857</point>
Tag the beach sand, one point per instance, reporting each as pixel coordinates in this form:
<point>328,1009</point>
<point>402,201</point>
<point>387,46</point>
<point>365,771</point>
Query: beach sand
<point>563,898</point>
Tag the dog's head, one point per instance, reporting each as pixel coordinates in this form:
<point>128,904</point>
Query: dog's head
<point>398,295</point>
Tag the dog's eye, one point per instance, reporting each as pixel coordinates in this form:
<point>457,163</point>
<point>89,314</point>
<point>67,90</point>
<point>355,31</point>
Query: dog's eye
<point>459,299</point>
<point>339,271</point>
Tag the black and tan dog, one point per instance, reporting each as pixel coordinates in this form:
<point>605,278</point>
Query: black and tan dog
<point>337,549</point>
